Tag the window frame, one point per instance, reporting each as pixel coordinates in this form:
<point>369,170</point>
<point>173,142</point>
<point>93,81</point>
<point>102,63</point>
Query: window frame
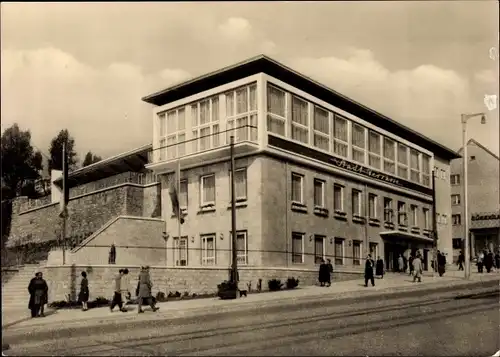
<point>177,251</point>
<point>184,183</point>
<point>298,125</point>
<point>202,187</point>
<point>414,170</point>
<point>340,141</point>
<point>356,192</point>
<point>301,254</point>
<point>373,154</point>
<point>400,164</point>
<point>236,171</point>
<point>388,210</point>
<point>386,159</point>
<point>323,193</point>
<point>318,133</point>
<point>426,213</point>
<point>204,249</point>
<point>373,244</point>
<point>453,220</point>
<point>242,259</point>
<point>414,215</point>
<point>455,179</point>
<point>246,133</point>
<point>277,117</point>
<point>213,136</point>
<point>341,187</point>
<point>301,202</point>
<point>426,170</point>
<point>354,259</point>
<point>402,213</point>
<point>454,200</point>
<point>375,210</point>
<point>356,148</point>
<point>318,237</point>
<point>342,245</point>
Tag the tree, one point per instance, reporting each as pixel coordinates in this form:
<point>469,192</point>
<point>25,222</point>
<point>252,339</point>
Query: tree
<point>20,162</point>
<point>56,149</point>
<point>90,158</point>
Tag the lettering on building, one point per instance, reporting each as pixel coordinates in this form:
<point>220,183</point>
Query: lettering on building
<point>485,217</point>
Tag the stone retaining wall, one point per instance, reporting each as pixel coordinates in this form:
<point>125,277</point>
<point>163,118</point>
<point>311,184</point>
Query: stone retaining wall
<point>64,281</point>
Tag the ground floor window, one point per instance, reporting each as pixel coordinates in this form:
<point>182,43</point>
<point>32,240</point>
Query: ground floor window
<point>241,247</point>
<point>181,251</point>
<point>297,248</point>
<point>374,250</point>
<point>319,249</point>
<point>208,249</point>
<point>356,252</point>
<point>339,251</point>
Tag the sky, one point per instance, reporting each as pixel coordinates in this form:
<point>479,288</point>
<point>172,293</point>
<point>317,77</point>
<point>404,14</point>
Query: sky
<point>86,66</point>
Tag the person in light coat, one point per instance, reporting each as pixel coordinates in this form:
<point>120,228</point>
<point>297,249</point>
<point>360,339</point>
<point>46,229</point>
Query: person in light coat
<point>401,264</point>
<point>417,268</point>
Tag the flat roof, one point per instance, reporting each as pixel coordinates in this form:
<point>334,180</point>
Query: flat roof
<point>133,160</point>
<point>264,64</point>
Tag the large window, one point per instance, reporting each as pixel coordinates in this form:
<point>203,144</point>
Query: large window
<point>340,136</point>
<point>205,121</point>
<point>402,220</point>
<point>181,251</point>
<point>374,154</point>
<point>173,133</point>
<point>297,248</point>
<point>241,113</point>
<point>374,250</point>
<point>319,248</point>
<point>338,198</point>
<point>276,110</point>
<point>402,161</point>
<point>240,184</point>
<point>414,216</point>
<point>389,156</point>
<point>208,249</point>
<point>372,205</point>
<point>426,218</point>
<point>358,143</point>
<point>241,247</point>
<point>321,129</point>
<point>414,166</point>
<point>356,252</point>
<point>300,120</point>
<point>426,170</point>
<point>356,202</point>
<point>455,200</point>
<point>297,188</point>
<point>319,193</point>
<point>454,179</point>
<point>456,219</point>
<point>388,213</point>
<point>207,189</point>
<point>339,251</point>
<point>183,195</point>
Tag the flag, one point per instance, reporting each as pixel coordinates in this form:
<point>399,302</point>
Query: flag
<point>65,184</point>
<point>174,195</point>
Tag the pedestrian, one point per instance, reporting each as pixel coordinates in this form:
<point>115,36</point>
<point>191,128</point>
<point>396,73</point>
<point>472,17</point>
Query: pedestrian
<point>441,263</point>
<point>497,260</point>
<point>480,262</point>
<point>410,264</point>
<point>417,268</point>
<point>379,270</point>
<point>112,254</point>
<point>401,264</point>
<point>461,260</point>
<point>369,265</point>
<point>83,297</point>
<point>38,290</point>
<point>489,261</point>
<point>329,272</point>
<point>322,273</point>
<point>125,288</point>
<point>117,295</point>
<point>144,288</point>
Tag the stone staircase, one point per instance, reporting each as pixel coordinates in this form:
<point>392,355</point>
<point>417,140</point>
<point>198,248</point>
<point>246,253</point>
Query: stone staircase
<point>15,294</point>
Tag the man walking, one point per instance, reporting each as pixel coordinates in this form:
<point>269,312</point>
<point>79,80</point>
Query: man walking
<point>144,288</point>
<point>417,268</point>
<point>369,264</point>
<point>117,296</point>
<point>461,260</point>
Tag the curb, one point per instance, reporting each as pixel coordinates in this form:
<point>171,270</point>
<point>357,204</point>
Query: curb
<point>48,311</point>
<point>194,315</point>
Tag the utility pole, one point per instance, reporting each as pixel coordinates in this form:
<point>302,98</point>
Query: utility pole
<point>234,267</point>
<point>64,201</point>
<point>465,194</point>
<point>434,223</point>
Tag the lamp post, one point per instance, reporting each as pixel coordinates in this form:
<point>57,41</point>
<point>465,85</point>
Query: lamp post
<point>464,118</point>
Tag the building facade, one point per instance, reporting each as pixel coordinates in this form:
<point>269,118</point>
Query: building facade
<point>483,194</point>
<point>318,176</point>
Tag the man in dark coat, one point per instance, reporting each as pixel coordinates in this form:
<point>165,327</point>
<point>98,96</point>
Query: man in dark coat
<point>461,260</point>
<point>369,265</point>
<point>410,263</point>
<point>488,261</point>
<point>329,272</point>
<point>497,260</point>
<point>441,258</point>
<point>322,273</point>
<point>144,287</point>
<point>38,290</point>
<point>379,270</point>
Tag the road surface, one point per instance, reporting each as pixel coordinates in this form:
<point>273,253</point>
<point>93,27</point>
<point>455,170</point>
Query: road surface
<point>409,327</point>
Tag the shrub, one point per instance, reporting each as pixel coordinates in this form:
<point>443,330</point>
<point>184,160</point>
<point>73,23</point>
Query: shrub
<point>161,297</point>
<point>292,283</point>
<point>274,284</point>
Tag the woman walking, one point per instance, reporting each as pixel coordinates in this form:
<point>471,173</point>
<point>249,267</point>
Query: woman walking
<point>84,291</point>
<point>144,293</point>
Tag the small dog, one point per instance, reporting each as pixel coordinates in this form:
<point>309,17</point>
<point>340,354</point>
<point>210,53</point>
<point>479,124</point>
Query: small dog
<point>243,293</point>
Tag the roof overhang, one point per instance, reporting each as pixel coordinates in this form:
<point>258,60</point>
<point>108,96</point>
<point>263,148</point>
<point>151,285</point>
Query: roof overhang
<point>406,235</point>
<point>264,64</point>
<point>134,160</point>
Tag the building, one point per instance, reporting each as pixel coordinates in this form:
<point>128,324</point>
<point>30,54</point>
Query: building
<point>317,174</point>
<point>483,192</point>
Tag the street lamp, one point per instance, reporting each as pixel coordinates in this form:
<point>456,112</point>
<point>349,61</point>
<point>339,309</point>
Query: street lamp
<point>464,118</point>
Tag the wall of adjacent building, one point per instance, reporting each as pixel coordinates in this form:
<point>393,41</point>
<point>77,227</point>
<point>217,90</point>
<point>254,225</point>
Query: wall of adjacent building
<point>443,206</point>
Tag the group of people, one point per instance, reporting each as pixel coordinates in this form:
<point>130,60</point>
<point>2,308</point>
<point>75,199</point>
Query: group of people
<point>486,259</point>
<point>326,270</point>
<point>38,290</point>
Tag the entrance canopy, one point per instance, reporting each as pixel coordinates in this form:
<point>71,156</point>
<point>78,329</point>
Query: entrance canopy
<point>405,235</point>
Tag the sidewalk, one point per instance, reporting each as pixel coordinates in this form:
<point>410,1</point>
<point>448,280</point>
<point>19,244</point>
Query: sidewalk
<point>392,283</point>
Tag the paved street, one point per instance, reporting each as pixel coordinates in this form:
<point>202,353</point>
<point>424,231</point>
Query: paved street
<point>410,326</point>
